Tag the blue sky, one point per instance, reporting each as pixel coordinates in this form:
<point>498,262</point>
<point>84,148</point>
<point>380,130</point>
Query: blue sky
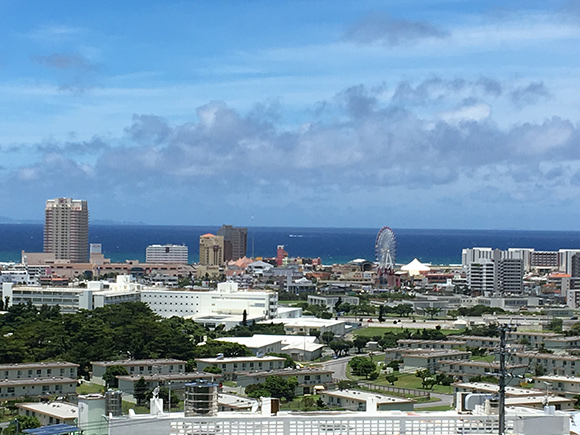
<point>412,114</point>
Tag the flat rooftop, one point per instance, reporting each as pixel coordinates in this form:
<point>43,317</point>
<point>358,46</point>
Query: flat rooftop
<point>60,410</point>
<point>554,378</point>
<point>138,362</point>
<point>284,372</point>
<point>170,377</point>
<point>362,396</point>
<point>235,359</point>
<point>37,381</point>
<point>486,387</point>
<point>38,365</point>
<point>255,341</point>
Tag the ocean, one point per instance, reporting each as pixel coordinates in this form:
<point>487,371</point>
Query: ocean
<point>332,245</point>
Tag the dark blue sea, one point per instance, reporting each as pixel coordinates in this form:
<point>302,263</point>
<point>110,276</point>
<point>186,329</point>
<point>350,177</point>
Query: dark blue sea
<point>333,245</point>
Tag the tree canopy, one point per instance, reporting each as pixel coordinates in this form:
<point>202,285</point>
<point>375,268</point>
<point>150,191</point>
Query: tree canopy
<point>128,330</point>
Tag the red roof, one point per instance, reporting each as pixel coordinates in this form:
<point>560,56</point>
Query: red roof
<point>208,235</point>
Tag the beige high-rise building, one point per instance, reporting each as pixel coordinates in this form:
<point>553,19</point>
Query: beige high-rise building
<point>211,250</point>
<point>66,229</point>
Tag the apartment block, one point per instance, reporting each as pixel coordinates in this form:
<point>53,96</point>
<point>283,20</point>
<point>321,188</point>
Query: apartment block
<point>464,370</point>
<point>37,379</point>
<point>146,367</point>
<point>66,229</point>
<point>560,365</point>
<point>232,365</point>
<point>431,359</point>
<point>308,379</point>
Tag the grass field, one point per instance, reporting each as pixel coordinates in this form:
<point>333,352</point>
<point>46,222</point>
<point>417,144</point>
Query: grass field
<point>406,380</point>
<point>379,330</point>
<point>486,358</point>
<point>90,389</point>
<point>436,408</point>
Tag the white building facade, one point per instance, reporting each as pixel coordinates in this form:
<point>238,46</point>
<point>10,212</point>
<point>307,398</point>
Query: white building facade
<point>175,254</point>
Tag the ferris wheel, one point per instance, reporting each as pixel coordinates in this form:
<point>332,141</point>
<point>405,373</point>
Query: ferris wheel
<point>386,251</point>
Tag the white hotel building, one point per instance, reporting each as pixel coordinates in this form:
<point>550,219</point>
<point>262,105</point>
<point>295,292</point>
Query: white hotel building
<point>174,254</point>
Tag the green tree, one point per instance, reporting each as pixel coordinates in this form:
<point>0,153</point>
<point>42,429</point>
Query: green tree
<point>347,384</point>
<point>256,391</point>
<point>340,347</point>
<point>403,310</point>
<point>327,337</point>
<point>140,391</point>
<point>274,386</point>
<point>432,311</point>
<point>110,376</point>
<point>245,318</point>
<point>23,422</point>
<point>381,314</point>
<point>338,304</point>
<point>362,366</point>
<point>360,342</point>
<point>213,369</point>
<point>391,379</point>
<point>427,379</point>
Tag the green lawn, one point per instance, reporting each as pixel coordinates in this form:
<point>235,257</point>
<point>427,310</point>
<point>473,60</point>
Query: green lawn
<point>378,330</point>
<point>436,408</point>
<point>90,389</point>
<point>406,380</point>
<point>486,358</point>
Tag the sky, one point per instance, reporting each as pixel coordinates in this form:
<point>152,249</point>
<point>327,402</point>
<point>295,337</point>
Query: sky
<point>407,113</point>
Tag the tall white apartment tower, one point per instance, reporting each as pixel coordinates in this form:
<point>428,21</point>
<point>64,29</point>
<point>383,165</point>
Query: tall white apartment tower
<point>66,229</point>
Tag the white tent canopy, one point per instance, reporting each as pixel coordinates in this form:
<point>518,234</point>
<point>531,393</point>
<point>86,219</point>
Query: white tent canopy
<point>415,267</point>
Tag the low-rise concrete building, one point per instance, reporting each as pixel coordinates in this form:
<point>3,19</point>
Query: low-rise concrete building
<point>55,386</point>
<point>464,370</point>
<point>480,341</point>
<point>431,344</point>
<point>308,379</point>
<point>37,370</point>
<point>355,400</point>
<point>486,387</point>
<point>539,402</point>
<point>562,343</point>
<point>232,365</point>
<point>309,325</point>
<point>330,301</point>
<point>50,412</point>
<point>145,367</point>
<point>258,344</point>
<point>565,385</point>
<point>430,359</point>
<point>560,365</point>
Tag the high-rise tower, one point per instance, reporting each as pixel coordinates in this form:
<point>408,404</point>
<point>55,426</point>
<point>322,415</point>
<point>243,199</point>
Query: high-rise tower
<point>235,241</point>
<point>66,229</point>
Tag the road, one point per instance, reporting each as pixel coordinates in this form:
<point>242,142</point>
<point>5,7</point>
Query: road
<point>338,366</point>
